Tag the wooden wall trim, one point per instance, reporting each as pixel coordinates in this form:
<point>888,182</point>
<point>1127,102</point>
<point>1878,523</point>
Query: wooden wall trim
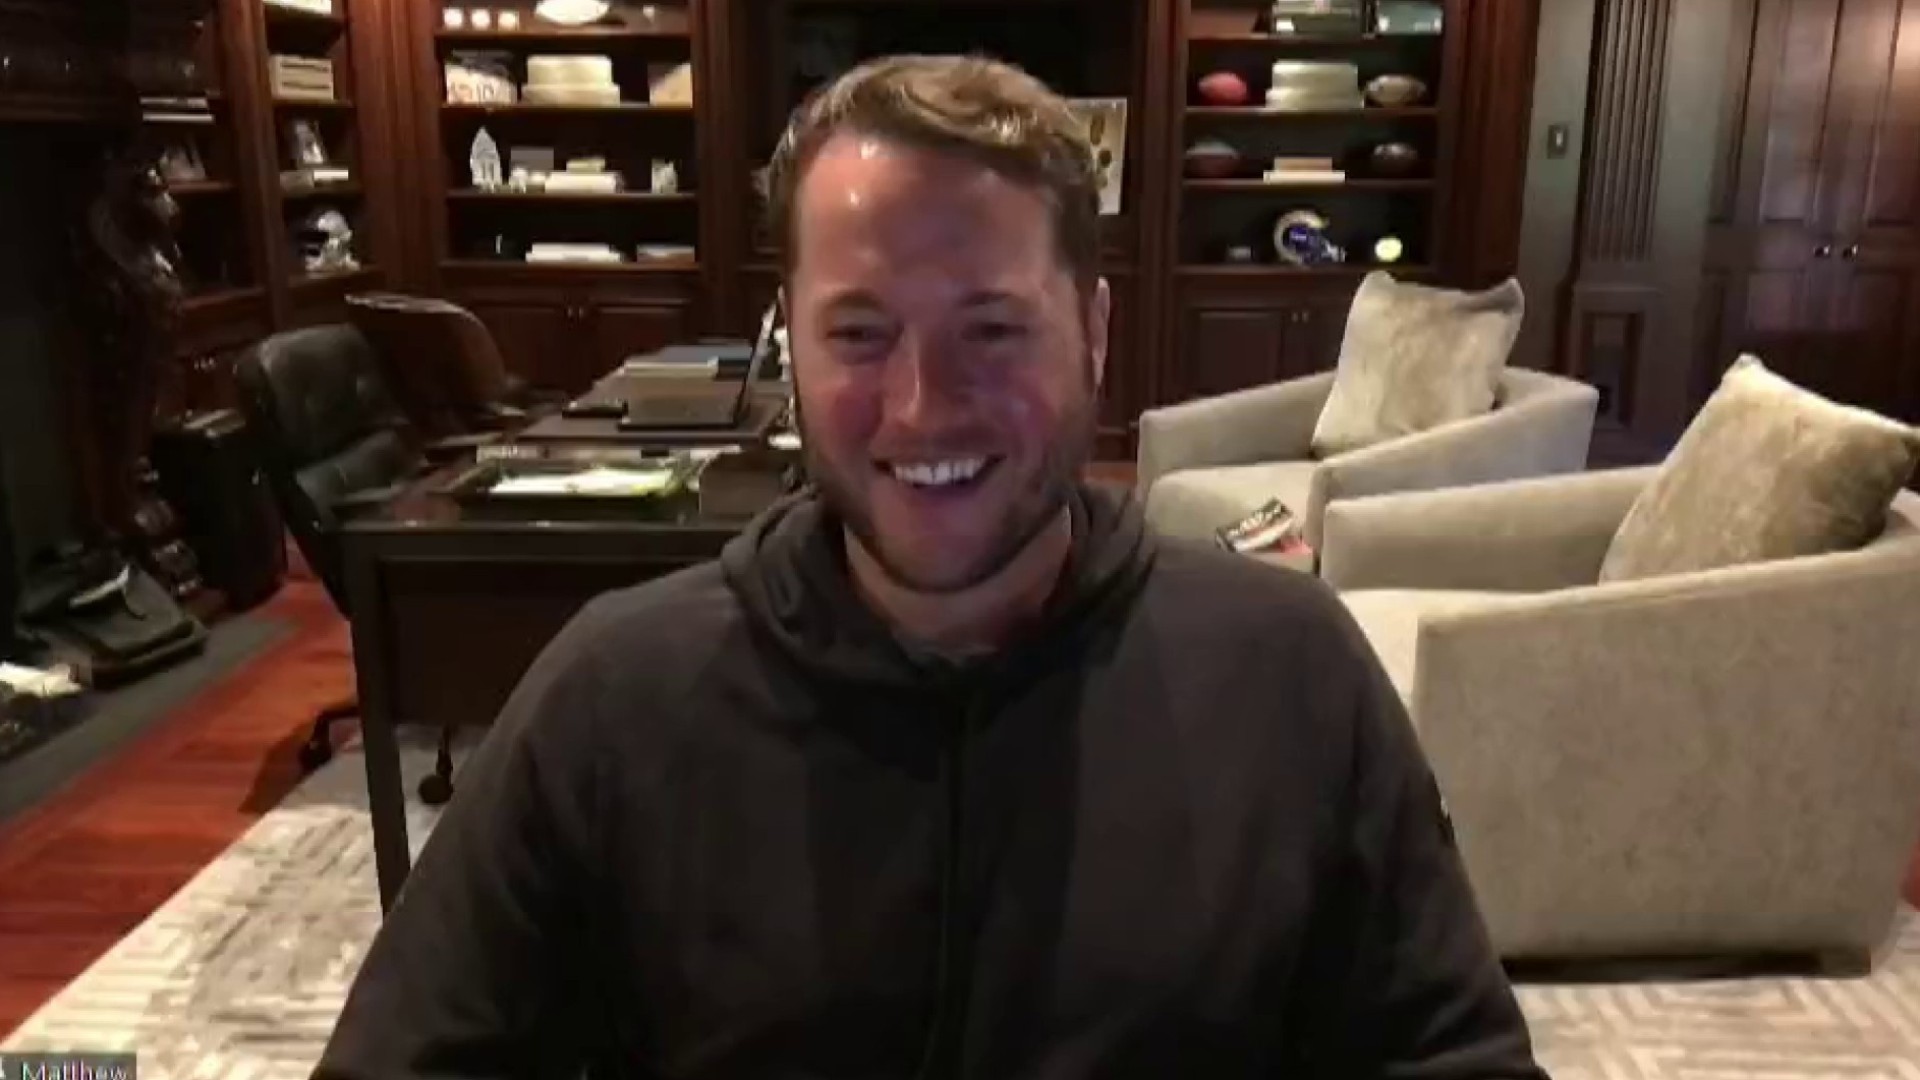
<point>1613,294</point>
<point>1628,314</point>
<point>727,200</point>
<point>1158,96</point>
<point>1493,142</point>
<point>1629,97</point>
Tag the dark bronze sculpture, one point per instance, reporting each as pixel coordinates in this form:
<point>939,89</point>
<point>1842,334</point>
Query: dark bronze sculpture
<point>131,293</point>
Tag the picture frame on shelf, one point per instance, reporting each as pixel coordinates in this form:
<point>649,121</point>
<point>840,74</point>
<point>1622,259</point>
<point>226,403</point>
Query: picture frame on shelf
<point>481,77</point>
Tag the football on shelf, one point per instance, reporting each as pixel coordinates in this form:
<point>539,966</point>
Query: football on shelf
<point>1224,88</point>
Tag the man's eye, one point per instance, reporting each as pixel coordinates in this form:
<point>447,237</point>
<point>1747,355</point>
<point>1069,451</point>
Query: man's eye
<point>857,335</point>
<point>995,332</point>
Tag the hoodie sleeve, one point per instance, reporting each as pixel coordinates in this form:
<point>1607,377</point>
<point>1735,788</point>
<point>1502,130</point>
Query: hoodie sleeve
<point>1420,993</point>
<point>477,970</point>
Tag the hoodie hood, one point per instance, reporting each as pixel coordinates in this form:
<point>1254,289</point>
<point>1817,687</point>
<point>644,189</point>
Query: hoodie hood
<point>789,569</point>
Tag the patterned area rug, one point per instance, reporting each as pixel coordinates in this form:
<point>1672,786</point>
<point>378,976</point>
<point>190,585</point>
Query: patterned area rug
<point>241,973</point>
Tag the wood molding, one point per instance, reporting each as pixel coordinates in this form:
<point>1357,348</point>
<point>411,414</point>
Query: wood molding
<point>1498,69</point>
<point>726,169</point>
<point>1628,102</point>
<point>1613,296</point>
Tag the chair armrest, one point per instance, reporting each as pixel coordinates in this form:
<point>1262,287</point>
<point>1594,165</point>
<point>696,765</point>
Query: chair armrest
<point>500,416</point>
<point>1717,761</point>
<point>1531,535</point>
<point>1544,428</point>
<point>366,500</point>
<point>455,447</point>
<point>1263,423</point>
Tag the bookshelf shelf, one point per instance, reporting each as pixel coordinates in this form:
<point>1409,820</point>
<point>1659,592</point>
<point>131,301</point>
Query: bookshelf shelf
<point>615,198</point>
<point>596,35</point>
<point>625,108</point>
<point>1267,187</point>
<point>1282,116</point>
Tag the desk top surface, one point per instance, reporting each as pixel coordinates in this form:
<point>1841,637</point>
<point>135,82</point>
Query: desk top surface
<point>726,497</point>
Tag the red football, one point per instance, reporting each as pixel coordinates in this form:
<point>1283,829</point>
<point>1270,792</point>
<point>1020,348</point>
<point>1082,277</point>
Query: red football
<point>1224,88</point>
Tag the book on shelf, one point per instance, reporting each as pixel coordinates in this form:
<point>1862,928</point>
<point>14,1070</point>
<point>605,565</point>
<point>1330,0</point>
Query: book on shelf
<point>572,253</point>
<point>1283,177</point>
<point>315,176</point>
<point>301,77</point>
<point>308,7</point>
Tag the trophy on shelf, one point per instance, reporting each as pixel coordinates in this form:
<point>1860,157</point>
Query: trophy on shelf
<point>483,160</point>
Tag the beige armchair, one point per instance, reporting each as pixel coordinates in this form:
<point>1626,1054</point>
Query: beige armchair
<point>1207,463</point>
<point>1718,762</point>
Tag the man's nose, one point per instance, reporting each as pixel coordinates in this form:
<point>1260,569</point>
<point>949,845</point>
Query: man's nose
<point>925,386</point>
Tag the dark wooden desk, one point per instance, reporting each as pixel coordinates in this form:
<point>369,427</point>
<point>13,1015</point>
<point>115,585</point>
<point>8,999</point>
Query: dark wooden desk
<point>449,609</point>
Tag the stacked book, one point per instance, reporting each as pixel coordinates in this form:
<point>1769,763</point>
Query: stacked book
<point>1329,17</point>
<point>1304,170</point>
<point>571,80</point>
<point>303,77</point>
<point>1314,85</point>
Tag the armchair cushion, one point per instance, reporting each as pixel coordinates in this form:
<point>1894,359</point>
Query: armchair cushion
<point>1198,503</point>
<point>1415,357</point>
<point>1766,471</point>
<point>1391,619</point>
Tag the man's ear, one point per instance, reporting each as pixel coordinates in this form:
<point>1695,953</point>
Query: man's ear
<point>1099,322</point>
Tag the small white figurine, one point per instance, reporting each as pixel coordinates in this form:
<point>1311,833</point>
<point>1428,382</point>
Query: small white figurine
<point>454,18</point>
<point>482,19</point>
<point>485,162</point>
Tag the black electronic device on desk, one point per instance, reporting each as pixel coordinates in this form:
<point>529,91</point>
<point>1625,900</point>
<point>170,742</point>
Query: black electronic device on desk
<point>702,404</point>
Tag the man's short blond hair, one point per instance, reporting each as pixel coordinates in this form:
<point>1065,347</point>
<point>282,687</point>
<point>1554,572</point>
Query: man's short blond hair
<point>984,110</point>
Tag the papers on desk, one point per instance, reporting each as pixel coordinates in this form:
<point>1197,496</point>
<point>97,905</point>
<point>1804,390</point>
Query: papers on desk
<point>673,369</point>
<point>604,481</point>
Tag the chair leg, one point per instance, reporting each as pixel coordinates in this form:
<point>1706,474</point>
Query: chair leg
<point>318,749</point>
<point>437,788</point>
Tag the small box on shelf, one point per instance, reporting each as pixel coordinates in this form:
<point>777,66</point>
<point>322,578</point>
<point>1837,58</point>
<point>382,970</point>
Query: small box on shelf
<point>303,77</point>
<point>321,8</point>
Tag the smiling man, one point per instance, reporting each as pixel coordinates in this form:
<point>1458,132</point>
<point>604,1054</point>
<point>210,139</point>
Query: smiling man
<point>946,769</point>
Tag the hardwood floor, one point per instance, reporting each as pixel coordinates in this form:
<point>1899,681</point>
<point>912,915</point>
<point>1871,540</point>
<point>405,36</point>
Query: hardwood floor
<point>80,871</point>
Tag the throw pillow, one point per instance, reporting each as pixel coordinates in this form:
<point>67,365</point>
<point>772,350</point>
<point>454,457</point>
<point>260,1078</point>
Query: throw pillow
<point>1415,357</point>
<point>1767,470</point>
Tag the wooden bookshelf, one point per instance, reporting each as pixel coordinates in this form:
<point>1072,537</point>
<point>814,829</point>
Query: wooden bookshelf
<point>352,130</point>
<point>474,240</point>
<point>1273,319</point>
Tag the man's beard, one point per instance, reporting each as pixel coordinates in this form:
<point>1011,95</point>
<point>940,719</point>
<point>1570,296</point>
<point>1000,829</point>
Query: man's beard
<point>1034,509</point>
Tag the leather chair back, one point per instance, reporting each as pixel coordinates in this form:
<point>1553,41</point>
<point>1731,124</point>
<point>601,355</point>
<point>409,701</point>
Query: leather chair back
<point>326,429</point>
<point>445,369</point>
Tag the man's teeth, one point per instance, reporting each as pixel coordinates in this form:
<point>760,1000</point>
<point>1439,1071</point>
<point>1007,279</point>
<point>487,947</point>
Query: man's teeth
<point>940,473</point>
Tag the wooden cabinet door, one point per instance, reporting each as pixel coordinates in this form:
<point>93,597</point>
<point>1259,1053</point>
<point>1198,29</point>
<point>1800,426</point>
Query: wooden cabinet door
<point>1873,335</point>
<point>623,329</point>
<point>1771,248</point>
<point>1314,335</point>
<point>1873,308</point>
<point>1227,349</point>
<point>538,341</point>
<point>1227,345</point>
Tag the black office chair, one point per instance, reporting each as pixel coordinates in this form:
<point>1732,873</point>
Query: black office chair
<point>330,439</point>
